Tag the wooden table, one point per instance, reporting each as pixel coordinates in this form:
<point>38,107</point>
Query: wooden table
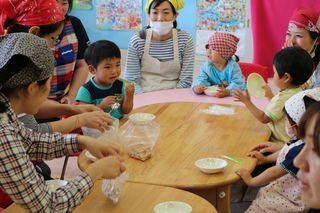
<point>135,198</point>
<point>186,136</point>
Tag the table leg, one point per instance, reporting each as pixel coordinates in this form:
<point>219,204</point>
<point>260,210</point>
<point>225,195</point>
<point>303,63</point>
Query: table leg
<point>219,197</point>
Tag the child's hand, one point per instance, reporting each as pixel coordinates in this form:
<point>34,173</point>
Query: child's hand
<point>108,101</point>
<point>222,92</point>
<point>245,175</point>
<point>199,89</point>
<point>261,158</point>
<point>242,96</point>
<point>267,147</point>
<point>129,89</point>
<point>269,93</point>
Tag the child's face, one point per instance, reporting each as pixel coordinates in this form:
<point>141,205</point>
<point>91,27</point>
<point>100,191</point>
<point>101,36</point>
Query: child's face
<point>213,56</point>
<point>64,4</point>
<point>107,72</point>
<point>308,161</point>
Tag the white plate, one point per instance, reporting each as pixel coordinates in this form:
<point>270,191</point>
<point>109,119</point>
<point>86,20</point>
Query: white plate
<point>55,184</point>
<point>173,207</point>
<point>89,155</point>
<point>255,82</point>
<point>142,117</point>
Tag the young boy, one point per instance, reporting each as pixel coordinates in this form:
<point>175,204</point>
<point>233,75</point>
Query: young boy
<point>292,67</point>
<point>104,89</point>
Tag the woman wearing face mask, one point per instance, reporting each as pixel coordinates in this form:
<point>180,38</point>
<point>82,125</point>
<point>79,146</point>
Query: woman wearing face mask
<point>304,31</point>
<point>161,56</point>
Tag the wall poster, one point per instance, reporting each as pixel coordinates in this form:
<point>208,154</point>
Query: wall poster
<point>223,16</point>
<point>119,14</point>
<point>82,4</point>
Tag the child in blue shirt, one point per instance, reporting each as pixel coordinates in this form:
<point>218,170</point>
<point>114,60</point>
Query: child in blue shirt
<point>104,89</point>
<point>220,68</point>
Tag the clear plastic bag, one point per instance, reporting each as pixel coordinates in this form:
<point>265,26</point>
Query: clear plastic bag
<point>139,135</point>
<point>110,135</point>
<point>113,188</point>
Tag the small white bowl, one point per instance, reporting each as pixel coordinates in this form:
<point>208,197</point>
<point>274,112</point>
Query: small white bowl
<point>89,155</point>
<point>173,207</point>
<point>212,91</point>
<point>55,184</point>
<point>142,117</point>
<point>211,165</point>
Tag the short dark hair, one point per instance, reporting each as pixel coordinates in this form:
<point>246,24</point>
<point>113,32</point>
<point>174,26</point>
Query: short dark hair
<point>100,50</point>
<point>312,112</point>
<point>295,61</point>
<point>156,3</point>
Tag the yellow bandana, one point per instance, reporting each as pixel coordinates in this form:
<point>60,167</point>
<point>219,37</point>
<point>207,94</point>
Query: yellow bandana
<point>177,4</point>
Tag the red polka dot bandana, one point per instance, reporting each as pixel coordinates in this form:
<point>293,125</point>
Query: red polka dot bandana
<point>305,18</point>
<point>31,12</point>
<point>295,106</point>
<point>224,43</point>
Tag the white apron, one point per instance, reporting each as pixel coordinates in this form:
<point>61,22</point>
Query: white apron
<point>157,75</point>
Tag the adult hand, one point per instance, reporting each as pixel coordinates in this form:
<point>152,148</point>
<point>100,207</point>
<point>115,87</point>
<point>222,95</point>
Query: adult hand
<point>98,148</point>
<point>261,158</point>
<point>96,120</point>
<point>242,96</point>
<point>199,89</point>
<point>267,147</point>
<point>82,108</point>
<point>222,92</point>
<point>108,167</point>
<point>129,89</point>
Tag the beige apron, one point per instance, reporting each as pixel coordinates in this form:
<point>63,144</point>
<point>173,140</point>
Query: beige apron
<point>157,75</point>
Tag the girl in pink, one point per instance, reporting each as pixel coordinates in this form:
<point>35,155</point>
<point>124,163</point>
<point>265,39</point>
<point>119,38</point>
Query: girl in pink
<point>282,194</point>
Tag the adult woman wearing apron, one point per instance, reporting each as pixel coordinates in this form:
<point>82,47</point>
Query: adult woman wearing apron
<point>161,57</point>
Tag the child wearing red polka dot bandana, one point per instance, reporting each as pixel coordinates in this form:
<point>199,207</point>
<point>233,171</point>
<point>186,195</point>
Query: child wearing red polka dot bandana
<point>220,69</point>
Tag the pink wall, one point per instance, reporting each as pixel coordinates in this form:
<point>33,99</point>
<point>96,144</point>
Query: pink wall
<point>269,24</point>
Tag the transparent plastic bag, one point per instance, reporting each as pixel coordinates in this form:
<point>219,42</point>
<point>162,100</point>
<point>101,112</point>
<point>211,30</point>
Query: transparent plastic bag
<point>113,188</point>
<point>139,135</point>
<point>110,135</point>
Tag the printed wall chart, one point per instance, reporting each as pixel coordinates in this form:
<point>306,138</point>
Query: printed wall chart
<point>119,14</point>
<point>82,4</point>
<point>223,16</point>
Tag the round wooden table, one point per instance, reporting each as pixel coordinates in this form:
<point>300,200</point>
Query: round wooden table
<point>187,135</point>
<point>135,198</point>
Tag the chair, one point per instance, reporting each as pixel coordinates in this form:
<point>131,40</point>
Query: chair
<point>248,68</point>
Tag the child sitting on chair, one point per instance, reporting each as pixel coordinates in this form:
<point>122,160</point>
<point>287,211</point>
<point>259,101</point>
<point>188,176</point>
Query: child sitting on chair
<point>283,192</point>
<point>104,89</point>
<point>220,68</point>
<point>292,67</point>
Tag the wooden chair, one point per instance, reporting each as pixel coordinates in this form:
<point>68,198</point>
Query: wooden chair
<point>248,68</point>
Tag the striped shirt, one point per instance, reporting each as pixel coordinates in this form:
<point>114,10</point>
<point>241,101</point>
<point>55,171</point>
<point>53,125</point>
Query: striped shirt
<point>163,51</point>
<point>18,176</point>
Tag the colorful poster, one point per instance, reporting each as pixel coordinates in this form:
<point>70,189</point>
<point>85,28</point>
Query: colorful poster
<point>82,4</point>
<point>119,14</point>
<point>223,16</point>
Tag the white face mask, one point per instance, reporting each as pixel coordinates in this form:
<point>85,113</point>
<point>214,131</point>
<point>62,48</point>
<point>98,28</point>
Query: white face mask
<point>293,136</point>
<point>161,27</point>
<point>313,53</point>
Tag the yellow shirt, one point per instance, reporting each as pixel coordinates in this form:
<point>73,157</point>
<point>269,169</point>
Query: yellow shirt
<point>274,111</point>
